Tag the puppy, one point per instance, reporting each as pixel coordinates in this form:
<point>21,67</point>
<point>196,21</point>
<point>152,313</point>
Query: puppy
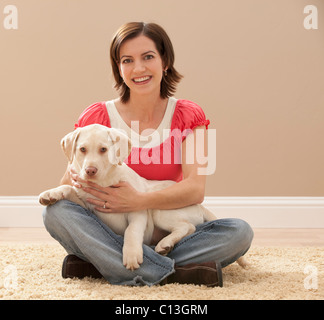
<point>97,153</point>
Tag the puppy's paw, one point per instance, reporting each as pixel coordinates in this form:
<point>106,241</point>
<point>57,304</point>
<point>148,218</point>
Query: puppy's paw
<point>50,197</point>
<point>164,247</point>
<point>243,262</point>
<point>132,258</point>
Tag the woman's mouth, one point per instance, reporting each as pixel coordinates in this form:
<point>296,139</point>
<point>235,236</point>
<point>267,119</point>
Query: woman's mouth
<point>142,80</point>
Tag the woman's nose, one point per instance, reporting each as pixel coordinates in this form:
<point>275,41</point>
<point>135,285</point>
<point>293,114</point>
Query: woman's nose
<point>139,67</point>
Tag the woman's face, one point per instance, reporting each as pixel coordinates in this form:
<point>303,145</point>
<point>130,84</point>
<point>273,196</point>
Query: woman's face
<point>141,66</point>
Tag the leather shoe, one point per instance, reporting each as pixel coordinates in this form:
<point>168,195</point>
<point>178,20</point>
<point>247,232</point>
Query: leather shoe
<point>74,267</point>
<point>206,273</point>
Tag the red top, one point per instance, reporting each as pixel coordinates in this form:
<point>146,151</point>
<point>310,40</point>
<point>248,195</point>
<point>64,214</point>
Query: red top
<point>162,162</point>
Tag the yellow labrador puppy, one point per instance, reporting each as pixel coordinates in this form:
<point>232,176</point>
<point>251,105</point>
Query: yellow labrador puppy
<point>97,154</point>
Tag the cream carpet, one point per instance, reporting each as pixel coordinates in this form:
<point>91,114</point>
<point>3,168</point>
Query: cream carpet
<point>33,271</point>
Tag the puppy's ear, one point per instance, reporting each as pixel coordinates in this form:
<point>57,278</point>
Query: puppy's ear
<point>121,147</point>
<point>68,143</point>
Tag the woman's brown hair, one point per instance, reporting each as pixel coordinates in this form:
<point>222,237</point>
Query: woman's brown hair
<point>164,46</point>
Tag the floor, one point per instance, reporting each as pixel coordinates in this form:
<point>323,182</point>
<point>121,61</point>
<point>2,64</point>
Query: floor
<point>262,237</point>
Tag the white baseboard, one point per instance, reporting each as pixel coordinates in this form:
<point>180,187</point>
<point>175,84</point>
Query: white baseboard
<point>271,212</point>
<point>260,212</point>
<point>20,212</point>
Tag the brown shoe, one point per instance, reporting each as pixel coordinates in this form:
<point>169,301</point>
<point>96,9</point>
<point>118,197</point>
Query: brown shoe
<point>207,273</point>
<point>74,267</point>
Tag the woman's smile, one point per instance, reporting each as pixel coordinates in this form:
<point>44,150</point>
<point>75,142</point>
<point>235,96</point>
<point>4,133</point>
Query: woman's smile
<point>142,80</point>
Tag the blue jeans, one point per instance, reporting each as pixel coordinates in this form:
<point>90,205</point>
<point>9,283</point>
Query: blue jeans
<point>81,233</point>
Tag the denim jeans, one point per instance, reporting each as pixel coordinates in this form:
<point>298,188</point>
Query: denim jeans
<point>81,233</point>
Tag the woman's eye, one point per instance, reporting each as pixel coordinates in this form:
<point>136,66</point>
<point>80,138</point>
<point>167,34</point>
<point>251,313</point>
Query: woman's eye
<point>148,57</point>
<point>125,61</point>
<point>103,150</point>
<point>83,149</point>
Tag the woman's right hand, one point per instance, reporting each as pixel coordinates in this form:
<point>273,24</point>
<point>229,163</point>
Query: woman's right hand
<point>74,177</point>
<point>70,177</point>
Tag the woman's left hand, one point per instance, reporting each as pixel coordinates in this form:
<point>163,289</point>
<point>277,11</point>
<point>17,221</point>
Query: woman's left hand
<point>118,198</point>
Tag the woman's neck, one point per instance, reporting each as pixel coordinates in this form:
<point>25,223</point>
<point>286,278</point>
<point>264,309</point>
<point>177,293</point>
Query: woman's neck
<point>146,108</point>
<point>148,111</point>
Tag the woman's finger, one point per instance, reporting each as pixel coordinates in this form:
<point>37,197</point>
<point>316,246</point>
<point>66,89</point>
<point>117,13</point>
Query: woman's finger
<point>94,185</point>
<point>98,194</point>
<point>99,203</point>
<point>76,184</point>
<point>104,210</point>
<point>77,178</point>
<point>72,170</point>
<point>120,184</point>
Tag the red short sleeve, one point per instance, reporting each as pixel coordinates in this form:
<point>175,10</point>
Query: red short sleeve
<point>96,113</point>
<point>187,116</point>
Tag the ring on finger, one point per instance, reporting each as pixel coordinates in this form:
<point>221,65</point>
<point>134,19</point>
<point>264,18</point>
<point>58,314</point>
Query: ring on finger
<point>104,206</point>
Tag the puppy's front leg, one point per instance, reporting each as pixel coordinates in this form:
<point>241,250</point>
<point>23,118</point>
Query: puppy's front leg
<point>133,240</point>
<point>51,196</point>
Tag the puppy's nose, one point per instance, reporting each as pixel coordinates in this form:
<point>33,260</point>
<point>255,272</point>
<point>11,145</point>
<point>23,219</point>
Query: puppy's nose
<point>91,171</point>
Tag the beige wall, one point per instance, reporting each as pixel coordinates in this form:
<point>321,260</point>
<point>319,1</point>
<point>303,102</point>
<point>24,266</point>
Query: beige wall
<point>251,64</point>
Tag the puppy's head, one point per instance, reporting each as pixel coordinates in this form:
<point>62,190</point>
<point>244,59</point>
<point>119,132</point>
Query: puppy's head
<point>95,149</point>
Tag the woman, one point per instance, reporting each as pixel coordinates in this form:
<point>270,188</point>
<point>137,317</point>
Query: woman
<point>142,61</point>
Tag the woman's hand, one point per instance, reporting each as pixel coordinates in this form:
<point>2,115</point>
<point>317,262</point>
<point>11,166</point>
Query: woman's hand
<point>118,198</point>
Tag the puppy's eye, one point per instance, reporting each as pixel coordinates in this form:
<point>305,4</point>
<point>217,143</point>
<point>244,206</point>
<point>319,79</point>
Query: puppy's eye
<point>103,150</point>
<point>83,149</point>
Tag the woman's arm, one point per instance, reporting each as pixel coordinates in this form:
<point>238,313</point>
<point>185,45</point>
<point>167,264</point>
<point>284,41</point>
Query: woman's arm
<point>124,198</point>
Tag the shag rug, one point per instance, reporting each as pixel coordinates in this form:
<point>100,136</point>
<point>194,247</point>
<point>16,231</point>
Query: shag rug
<point>33,271</point>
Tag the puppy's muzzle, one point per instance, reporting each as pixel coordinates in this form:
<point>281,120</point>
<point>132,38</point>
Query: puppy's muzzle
<point>91,171</point>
